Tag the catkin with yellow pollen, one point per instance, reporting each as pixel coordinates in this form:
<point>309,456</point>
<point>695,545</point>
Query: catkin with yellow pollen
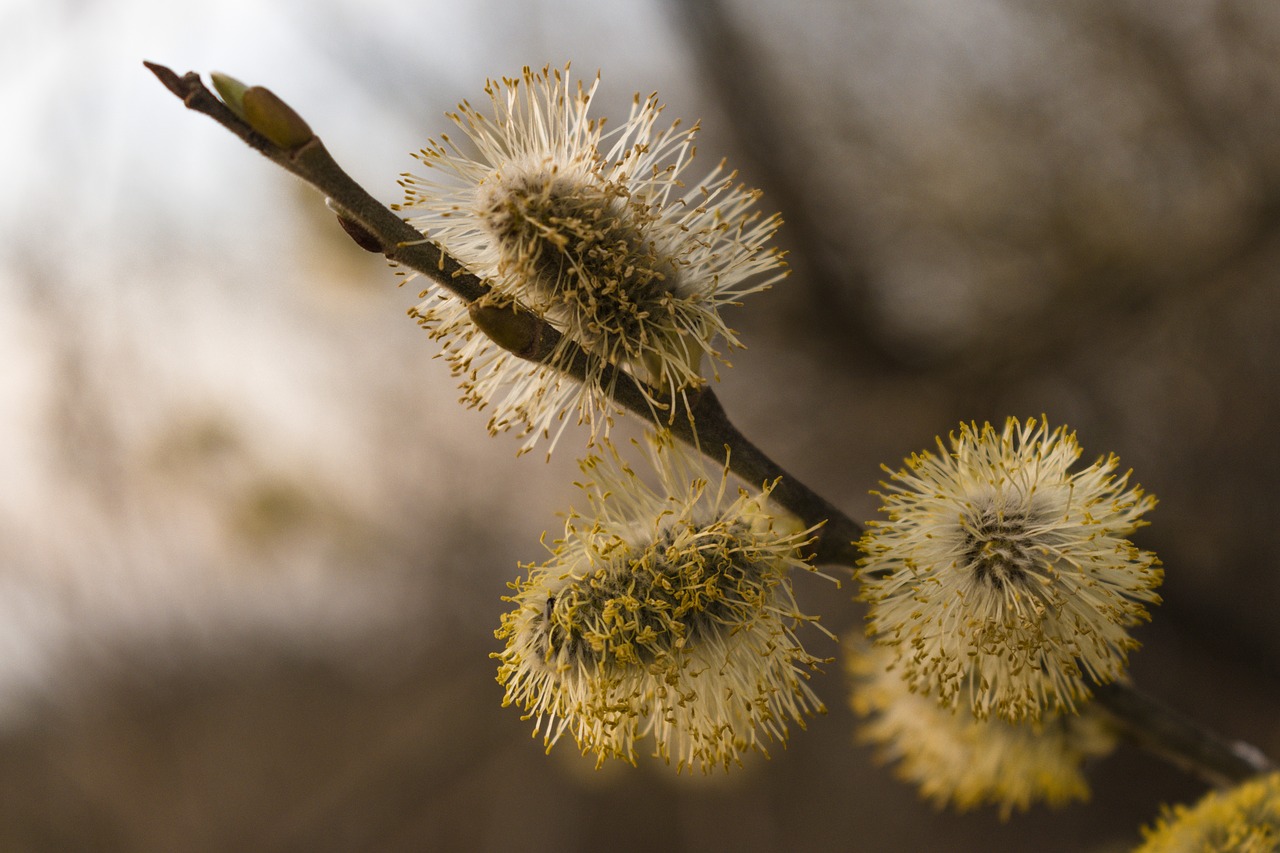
<point>662,614</point>
<point>595,232</point>
<point>1002,580</point>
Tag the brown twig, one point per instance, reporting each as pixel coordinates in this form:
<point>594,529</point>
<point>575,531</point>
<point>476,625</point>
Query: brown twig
<point>1165,732</point>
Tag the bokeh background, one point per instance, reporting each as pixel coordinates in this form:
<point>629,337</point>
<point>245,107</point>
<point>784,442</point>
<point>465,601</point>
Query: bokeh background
<point>251,550</point>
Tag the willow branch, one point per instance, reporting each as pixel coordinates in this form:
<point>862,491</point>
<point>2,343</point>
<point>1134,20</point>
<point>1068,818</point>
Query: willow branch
<point>1167,733</point>
<point>706,427</point>
<point>379,229</point>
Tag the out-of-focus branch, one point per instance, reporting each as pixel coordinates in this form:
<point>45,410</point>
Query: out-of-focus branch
<point>1164,732</point>
<point>734,71</point>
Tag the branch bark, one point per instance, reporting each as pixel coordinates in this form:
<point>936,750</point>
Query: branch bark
<point>1169,734</point>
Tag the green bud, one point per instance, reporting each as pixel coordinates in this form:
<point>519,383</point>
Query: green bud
<point>230,90</point>
<point>274,119</point>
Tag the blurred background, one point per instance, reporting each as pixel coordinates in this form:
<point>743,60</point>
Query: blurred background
<point>251,550</point>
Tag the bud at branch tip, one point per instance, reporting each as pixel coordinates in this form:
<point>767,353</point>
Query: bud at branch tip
<point>274,119</point>
<point>231,91</point>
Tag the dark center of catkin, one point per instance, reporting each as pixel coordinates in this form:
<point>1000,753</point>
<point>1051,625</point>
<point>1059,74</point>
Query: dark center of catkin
<point>652,602</point>
<point>580,249</point>
<point>995,546</point>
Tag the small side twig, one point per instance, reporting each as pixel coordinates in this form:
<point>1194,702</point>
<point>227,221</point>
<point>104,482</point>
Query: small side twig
<point>311,162</point>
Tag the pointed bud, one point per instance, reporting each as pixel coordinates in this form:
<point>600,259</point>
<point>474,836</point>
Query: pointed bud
<point>362,236</point>
<point>274,119</point>
<point>511,328</point>
<point>230,90</point>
